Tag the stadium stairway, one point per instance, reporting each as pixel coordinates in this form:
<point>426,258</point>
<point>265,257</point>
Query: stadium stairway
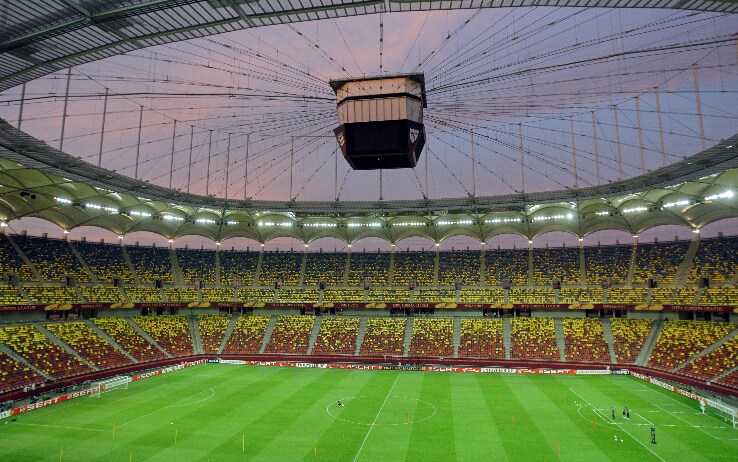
<point>531,267</point>
<point>132,268</point>
<point>724,374</point>
<point>506,336</point>
<point>147,337</point>
<point>217,267</point>
<point>257,273</point>
<point>645,354</point>
<point>108,339</point>
<point>195,334</point>
<point>314,333</point>
<point>347,270</point>
<point>632,264</point>
<point>301,281</point>
<point>360,335</point>
<point>25,259</point>
<point>482,266</point>
<point>685,267</point>
<point>85,266</point>
<point>582,266</point>
<point>709,349</point>
<point>64,346</point>
<point>457,336</point>
<point>228,332</point>
<point>9,351</point>
<point>391,269</point>
<point>435,269</point>
<point>560,342</point>
<point>176,269</point>
<point>408,336</point>
<point>607,332</point>
<point>269,329</point>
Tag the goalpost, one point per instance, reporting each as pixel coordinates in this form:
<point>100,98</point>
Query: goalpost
<point>113,383</point>
<point>721,411</point>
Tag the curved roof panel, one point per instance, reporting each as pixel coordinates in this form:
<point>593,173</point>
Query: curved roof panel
<point>39,37</point>
<point>40,181</point>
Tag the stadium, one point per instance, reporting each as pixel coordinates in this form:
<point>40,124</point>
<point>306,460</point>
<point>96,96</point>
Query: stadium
<point>368,230</point>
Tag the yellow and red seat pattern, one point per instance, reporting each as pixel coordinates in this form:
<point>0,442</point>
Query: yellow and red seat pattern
<point>680,340</point>
<point>15,375</point>
<point>212,330</point>
<point>481,338</point>
<point>584,340</point>
<point>291,334</point>
<point>126,336</point>
<point>432,337</point>
<point>533,338</point>
<point>718,361</point>
<point>248,334</point>
<point>88,344</point>
<point>41,352</point>
<point>337,336</point>
<point>171,332</point>
<point>629,335</point>
<point>384,336</point>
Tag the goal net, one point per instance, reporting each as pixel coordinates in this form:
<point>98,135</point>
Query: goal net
<point>720,411</point>
<point>113,383</point>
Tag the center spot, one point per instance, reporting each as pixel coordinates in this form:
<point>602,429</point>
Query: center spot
<point>398,410</point>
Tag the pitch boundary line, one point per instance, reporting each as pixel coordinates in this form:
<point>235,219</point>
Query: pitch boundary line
<point>60,426</point>
<point>376,417</point>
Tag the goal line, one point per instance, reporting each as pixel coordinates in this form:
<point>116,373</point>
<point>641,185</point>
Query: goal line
<point>110,384</point>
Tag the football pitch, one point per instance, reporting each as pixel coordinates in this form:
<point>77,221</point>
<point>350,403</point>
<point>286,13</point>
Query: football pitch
<point>217,412</point>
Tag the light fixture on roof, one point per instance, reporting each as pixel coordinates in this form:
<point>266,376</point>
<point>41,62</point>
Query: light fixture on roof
<point>438,244</point>
<point>635,236</point>
<point>483,243</point>
<point>530,241</point>
<point>120,237</point>
<point>217,243</point>
<point>171,241</point>
<point>66,231</point>
<point>696,231</point>
<point>3,224</point>
<point>306,245</point>
<point>581,239</point>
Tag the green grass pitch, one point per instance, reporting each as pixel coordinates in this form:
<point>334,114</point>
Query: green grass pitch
<point>227,413</point>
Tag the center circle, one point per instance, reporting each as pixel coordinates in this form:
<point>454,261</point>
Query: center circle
<point>396,410</point>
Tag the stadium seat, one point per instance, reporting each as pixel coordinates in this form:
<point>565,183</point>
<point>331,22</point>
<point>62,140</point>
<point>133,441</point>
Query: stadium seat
<point>247,336</point>
<point>607,261</point>
<point>212,330</point>
<point>197,265</point>
<point>128,339</point>
<point>51,294</point>
<point>533,338</point>
<point>281,265</point>
<point>629,335</point>
<point>171,332</point>
<point>217,294</point>
<point>432,337</point>
<point>555,262</point>
<point>459,265</point>
<point>716,259</point>
<point>38,350</point>
<point>584,340</point>
<point>481,338</point>
<point>235,264</point>
<point>718,361</point>
<point>291,335</point>
<point>680,340</point>
<point>101,294</point>
<point>11,262</point>
<point>507,263</point>
<point>337,336</point>
<point>659,259</point>
<point>416,266</point>
<point>88,344</point>
<point>106,261</point>
<point>15,375</point>
<point>53,258</point>
<point>481,296</point>
<point>384,336</point>
<point>182,294</point>
<point>143,294</point>
<point>327,267</point>
<point>151,263</point>
<point>303,295</point>
<point>369,266</point>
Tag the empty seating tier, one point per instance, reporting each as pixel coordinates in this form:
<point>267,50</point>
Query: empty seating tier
<point>432,337</point>
<point>255,295</point>
<point>388,295</point>
<point>291,334</point>
<point>217,294</point>
<point>372,267</point>
<point>413,266</point>
<point>126,336</point>
<point>607,262</point>
<point>143,294</point>
<point>680,340</point>
<point>560,263</point>
<point>106,261</point>
<point>536,296</point>
<point>337,336</point>
<point>719,296</point>
<point>89,345</point>
<point>507,264</point>
<point>247,336</point>
<point>171,332</point>
<point>629,335</point>
<point>384,336</point>
<point>284,266</point>
<point>182,294</point>
<point>327,267</point>
<point>718,361</point>
<point>659,260</point>
<point>716,259</point>
<point>11,262</point>
<point>533,338</point>
<point>41,352</point>
<point>344,295</point>
<point>434,296</point>
<point>52,294</point>
<point>240,265</point>
<point>481,296</point>
<point>212,330</point>
<point>585,341</point>
<point>481,338</point>
<point>151,263</point>
<point>459,266</point>
<point>307,296</point>
<point>627,295</point>
<point>53,258</point>
<point>197,265</point>
<point>9,296</point>
<point>98,294</point>
<point>15,375</point>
